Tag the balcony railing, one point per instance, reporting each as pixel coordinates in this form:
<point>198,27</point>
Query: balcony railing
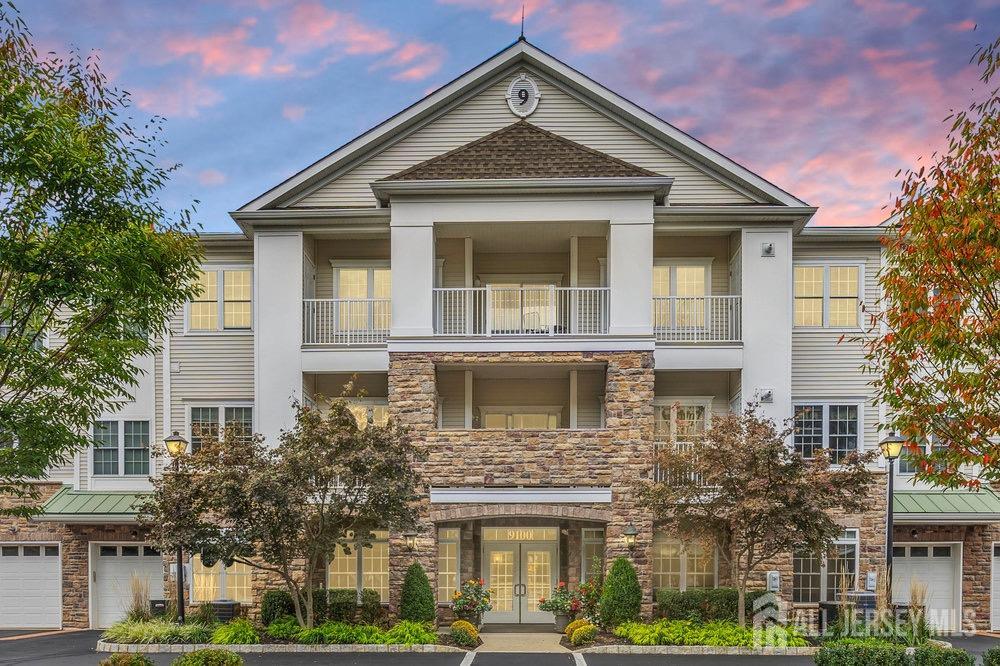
<point>697,318</point>
<point>346,321</point>
<point>661,475</point>
<point>488,311</point>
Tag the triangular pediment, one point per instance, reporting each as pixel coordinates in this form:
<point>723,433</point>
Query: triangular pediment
<point>521,150</point>
<point>466,128</point>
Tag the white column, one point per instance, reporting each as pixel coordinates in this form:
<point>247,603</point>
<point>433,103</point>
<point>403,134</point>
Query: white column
<point>630,275</point>
<point>277,330</point>
<point>767,321</point>
<point>413,266</point>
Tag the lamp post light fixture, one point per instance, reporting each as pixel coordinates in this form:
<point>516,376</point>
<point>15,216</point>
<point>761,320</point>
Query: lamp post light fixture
<point>892,446</point>
<point>411,541</point>
<point>629,533</point>
<point>176,447</point>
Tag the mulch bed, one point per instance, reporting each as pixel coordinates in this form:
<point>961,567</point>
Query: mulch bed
<point>602,638</point>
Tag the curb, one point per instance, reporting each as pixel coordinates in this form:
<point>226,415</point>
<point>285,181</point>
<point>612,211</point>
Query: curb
<point>154,648</point>
<point>701,649</point>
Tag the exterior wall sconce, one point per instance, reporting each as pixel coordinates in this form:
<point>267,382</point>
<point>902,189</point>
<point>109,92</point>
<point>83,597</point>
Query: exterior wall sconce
<point>411,541</point>
<point>629,533</point>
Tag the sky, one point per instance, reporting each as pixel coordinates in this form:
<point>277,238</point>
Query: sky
<point>828,99</point>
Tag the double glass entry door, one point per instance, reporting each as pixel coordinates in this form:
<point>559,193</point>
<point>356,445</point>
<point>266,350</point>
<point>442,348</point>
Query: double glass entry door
<point>519,574</point>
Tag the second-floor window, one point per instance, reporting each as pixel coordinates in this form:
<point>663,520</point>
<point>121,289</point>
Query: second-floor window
<point>827,295</point>
<point>224,300</point>
<point>121,448</point>
<point>521,418</point>
<point>833,426</point>
<point>205,421</point>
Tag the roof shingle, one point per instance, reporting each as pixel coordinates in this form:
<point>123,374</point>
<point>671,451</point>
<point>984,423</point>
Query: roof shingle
<point>521,150</point>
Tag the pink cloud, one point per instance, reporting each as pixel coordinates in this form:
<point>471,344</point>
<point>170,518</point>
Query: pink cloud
<point>211,177</point>
<point>890,12</point>
<point>508,11</point>
<point>592,26</point>
<point>293,112</point>
<point>962,26</point>
<point>222,53</point>
<point>414,61</point>
<point>310,25</point>
<point>183,98</point>
<point>769,8</point>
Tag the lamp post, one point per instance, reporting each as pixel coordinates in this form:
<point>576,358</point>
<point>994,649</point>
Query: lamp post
<point>176,447</point>
<point>892,446</point>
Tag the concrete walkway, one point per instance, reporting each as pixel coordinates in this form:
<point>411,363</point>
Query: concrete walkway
<point>521,642</point>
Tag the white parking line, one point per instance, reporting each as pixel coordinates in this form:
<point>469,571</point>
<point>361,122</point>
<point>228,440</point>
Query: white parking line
<point>469,658</point>
<point>580,661</point>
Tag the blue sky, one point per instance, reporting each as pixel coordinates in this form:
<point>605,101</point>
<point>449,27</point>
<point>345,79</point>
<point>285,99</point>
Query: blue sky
<point>826,98</point>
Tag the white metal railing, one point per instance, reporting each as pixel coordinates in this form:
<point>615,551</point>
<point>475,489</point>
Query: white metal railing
<point>345,321</point>
<point>697,318</point>
<point>521,310</point>
<point>661,475</point>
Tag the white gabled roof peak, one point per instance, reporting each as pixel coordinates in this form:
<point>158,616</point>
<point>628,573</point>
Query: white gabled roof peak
<point>520,51</point>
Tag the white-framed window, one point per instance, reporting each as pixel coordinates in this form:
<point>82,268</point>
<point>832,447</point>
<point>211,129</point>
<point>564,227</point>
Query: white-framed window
<point>449,563</point>
<point>907,466</point>
<point>363,289</point>
<point>591,552</point>
<point>362,567</point>
<point>219,582</point>
<point>120,448</point>
<point>224,301</point>
<point>831,425</point>
<point>679,422</point>
<point>818,578</point>
<point>682,566</point>
<point>828,295</point>
<point>369,410</point>
<point>204,422</point>
<point>679,290</point>
<point>521,418</point>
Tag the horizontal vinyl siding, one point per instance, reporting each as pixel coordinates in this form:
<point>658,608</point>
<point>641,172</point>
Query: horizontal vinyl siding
<point>452,251</point>
<point>527,264</point>
<point>590,250</point>
<point>488,112</point>
<point>714,247</point>
<point>589,391</point>
<point>822,366</point>
<point>684,384</point>
<point>451,395</point>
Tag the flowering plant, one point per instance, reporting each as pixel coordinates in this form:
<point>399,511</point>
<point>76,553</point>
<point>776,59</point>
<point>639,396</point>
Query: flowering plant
<point>471,600</point>
<point>589,595</point>
<point>561,602</point>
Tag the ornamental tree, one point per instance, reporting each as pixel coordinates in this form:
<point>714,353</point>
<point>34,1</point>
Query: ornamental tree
<point>740,488</point>
<point>91,265</point>
<point>287,509</point>
<point>934,344</point>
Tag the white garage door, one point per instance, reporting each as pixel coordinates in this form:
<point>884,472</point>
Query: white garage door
<point>114,567</point>
<point>995,598</point>
<point>935,566</point>
<point>30,586</point>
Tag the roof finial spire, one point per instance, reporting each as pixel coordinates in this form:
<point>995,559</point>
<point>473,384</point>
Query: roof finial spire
<point>522,21</point>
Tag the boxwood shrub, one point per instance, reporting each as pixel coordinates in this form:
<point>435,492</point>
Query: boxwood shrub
<point>417,602</point>
<point>209,657</point>
<point>992,657</point>
<point>126,659</point>
<point>704,604</point>
<point>621,599</point>
<point>342,603</point>
<point>932,655</point>
<point>847,654</point>
<point>275,604</point>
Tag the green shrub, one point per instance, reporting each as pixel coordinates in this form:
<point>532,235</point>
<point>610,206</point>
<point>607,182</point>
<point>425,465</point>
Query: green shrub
<point>932,655</point>
<point>686,632</point>
<point>621,599</point>
<point>338,633</point>
<point>126,659</point>
<point>209,657</point>
<point>156,631</point>
<point>417,599</point>
<point>275,604</point>
<point>410,633</point>
<point>321,606</point>
<point>464,634</point>
<point>583,634</point>
<point>284,628</point>
<point>342,603</point>
<point>573,626</point>
<point>237,632</point>
<point>992,657</point>
<point>366,634</point>
<point>703,604</point>
<point>841,654</point>
<point>310,636</point>
<point>371,606</point>
<point>205,614</point>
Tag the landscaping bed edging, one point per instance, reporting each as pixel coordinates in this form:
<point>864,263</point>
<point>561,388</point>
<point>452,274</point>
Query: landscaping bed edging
<point>154,648</point>
<point>701,649</point>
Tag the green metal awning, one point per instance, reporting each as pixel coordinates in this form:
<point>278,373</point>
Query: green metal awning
<point>92,506</point>
<point>945,506</point>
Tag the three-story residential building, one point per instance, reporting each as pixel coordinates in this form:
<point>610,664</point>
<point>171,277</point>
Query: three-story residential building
<point>545,283</point>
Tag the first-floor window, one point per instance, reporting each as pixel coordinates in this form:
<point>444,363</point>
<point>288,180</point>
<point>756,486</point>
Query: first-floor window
<point>205,423</point>
<point>833,426</point>
<point>681,566</point>
<point>219,582</point>
<point>369,410</point>
<point>521,418</point>
<point>361,567</point>
<point>449,545</point>
<point>817,577</point>
<point>121,447</point>
<point>592,557</point>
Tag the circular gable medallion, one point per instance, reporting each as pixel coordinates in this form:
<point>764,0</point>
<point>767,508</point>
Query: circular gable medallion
<point>523,95</point>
